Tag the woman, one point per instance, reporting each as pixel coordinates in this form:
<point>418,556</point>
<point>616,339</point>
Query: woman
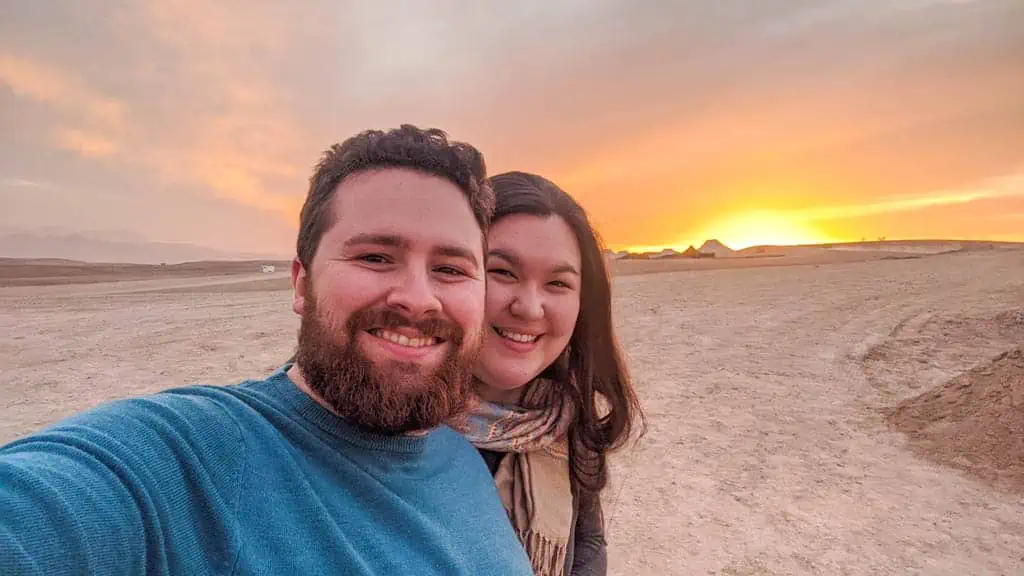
<point>555,395</point>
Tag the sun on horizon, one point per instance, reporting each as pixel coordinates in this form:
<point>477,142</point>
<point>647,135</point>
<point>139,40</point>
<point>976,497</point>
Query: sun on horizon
<point>747,229</point>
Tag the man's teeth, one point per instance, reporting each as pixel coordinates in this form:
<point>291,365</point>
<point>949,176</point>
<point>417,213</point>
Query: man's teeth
<point>403,340</point>
<point>518,337</point>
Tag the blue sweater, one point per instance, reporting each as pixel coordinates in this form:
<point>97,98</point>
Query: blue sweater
<point>253,478</point>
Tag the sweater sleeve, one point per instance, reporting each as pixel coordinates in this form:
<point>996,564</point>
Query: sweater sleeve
<point>591,550</point>
<point>104,491</point>
<point>69,505</point>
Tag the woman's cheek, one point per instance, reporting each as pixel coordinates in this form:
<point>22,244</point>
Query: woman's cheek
<point>496,300</point>
<point>565,315</point>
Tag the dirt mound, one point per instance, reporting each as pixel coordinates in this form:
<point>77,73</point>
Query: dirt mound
<point>975,422</point>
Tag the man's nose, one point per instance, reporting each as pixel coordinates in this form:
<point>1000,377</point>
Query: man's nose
<point>527,305</point>
<point>414,293</point>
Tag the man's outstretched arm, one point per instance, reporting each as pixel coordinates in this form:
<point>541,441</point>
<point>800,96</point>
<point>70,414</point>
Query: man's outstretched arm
<point>119,490</point>
<point>69,505</point>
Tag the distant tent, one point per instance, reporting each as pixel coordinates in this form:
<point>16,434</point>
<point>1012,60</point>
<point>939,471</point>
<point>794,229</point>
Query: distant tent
<point>666,253</point>
<point>692,252</point>
<point>717,248</point>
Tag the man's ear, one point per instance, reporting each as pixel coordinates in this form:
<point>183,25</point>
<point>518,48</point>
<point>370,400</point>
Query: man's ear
<point>300,286</point>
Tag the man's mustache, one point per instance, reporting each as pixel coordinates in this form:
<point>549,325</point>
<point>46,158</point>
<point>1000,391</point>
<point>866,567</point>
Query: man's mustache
<point>388,319</point>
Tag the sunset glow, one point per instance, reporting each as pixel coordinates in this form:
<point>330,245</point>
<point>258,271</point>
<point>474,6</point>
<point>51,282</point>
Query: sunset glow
<point>763,228</point>
<point>672,123</point>
<point>743,230</point>
<point>810,225</point>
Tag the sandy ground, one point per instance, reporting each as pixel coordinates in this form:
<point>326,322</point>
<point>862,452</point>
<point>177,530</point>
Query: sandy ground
<point>768,390</point>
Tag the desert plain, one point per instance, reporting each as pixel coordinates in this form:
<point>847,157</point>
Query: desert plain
<point>851,409</point>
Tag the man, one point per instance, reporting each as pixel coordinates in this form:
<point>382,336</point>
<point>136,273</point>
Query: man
<point>339,462</point>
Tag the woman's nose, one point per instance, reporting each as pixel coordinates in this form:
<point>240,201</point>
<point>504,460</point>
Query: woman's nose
<point>527,305</point>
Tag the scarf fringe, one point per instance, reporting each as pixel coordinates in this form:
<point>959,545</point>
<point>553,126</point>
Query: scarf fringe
<point>546,557</point>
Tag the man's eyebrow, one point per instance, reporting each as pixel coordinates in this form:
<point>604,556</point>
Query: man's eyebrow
<point>395,241</point>
<point>457,252</point>
<point>376,240</point>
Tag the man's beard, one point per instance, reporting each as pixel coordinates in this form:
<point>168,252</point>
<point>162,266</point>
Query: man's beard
<point>393,398</point>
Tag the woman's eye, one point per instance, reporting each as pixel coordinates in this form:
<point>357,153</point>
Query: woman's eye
<point>501,272</point>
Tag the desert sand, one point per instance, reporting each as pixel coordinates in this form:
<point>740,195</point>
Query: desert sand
<point>827,412</point>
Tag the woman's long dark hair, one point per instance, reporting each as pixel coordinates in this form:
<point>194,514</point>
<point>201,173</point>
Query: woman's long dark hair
<point>592,369</point>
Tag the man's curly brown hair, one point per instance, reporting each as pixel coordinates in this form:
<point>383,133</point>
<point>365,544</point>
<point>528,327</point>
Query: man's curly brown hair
<point>425,150</point>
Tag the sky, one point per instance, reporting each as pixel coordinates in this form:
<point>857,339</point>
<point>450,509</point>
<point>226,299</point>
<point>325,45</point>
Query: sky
<point>672,122</point>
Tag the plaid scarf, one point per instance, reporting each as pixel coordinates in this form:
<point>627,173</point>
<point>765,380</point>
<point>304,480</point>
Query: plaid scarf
<point>533,477</point>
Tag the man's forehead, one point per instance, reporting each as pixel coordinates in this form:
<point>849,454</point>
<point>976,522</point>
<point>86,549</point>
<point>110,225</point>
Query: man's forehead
<point>394,237</point>
<point>403,208</point>
<point>392,181</point>
<point>386,191</point>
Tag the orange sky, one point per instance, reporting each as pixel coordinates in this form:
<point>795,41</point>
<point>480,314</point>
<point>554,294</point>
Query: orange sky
<point>781,121</point>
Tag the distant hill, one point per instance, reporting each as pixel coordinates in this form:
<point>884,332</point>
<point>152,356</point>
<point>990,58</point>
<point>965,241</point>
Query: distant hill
<point>717,248</point>
<point>87,247</point>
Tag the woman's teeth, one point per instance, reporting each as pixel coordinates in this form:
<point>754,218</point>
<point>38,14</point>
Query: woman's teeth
<point>404,340</point>
<point>517,336</point>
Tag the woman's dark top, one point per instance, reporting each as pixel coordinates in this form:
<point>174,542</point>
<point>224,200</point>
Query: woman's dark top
<point>588,551</point>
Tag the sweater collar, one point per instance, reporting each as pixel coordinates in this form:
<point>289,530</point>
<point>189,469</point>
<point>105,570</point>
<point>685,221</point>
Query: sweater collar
<point>284,389</point>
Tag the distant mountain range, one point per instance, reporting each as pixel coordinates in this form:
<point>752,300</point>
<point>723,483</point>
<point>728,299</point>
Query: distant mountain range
<point>111,247</point>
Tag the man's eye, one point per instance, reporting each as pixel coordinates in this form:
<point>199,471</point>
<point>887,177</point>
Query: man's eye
<point>374,258</point>
<point>451,271</point>
<point>501,272</point>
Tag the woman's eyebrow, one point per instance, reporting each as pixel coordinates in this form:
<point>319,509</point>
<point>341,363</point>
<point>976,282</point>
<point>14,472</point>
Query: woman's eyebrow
<point>565,267</point>
<point>504,255</point>
<point>560,268</point>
